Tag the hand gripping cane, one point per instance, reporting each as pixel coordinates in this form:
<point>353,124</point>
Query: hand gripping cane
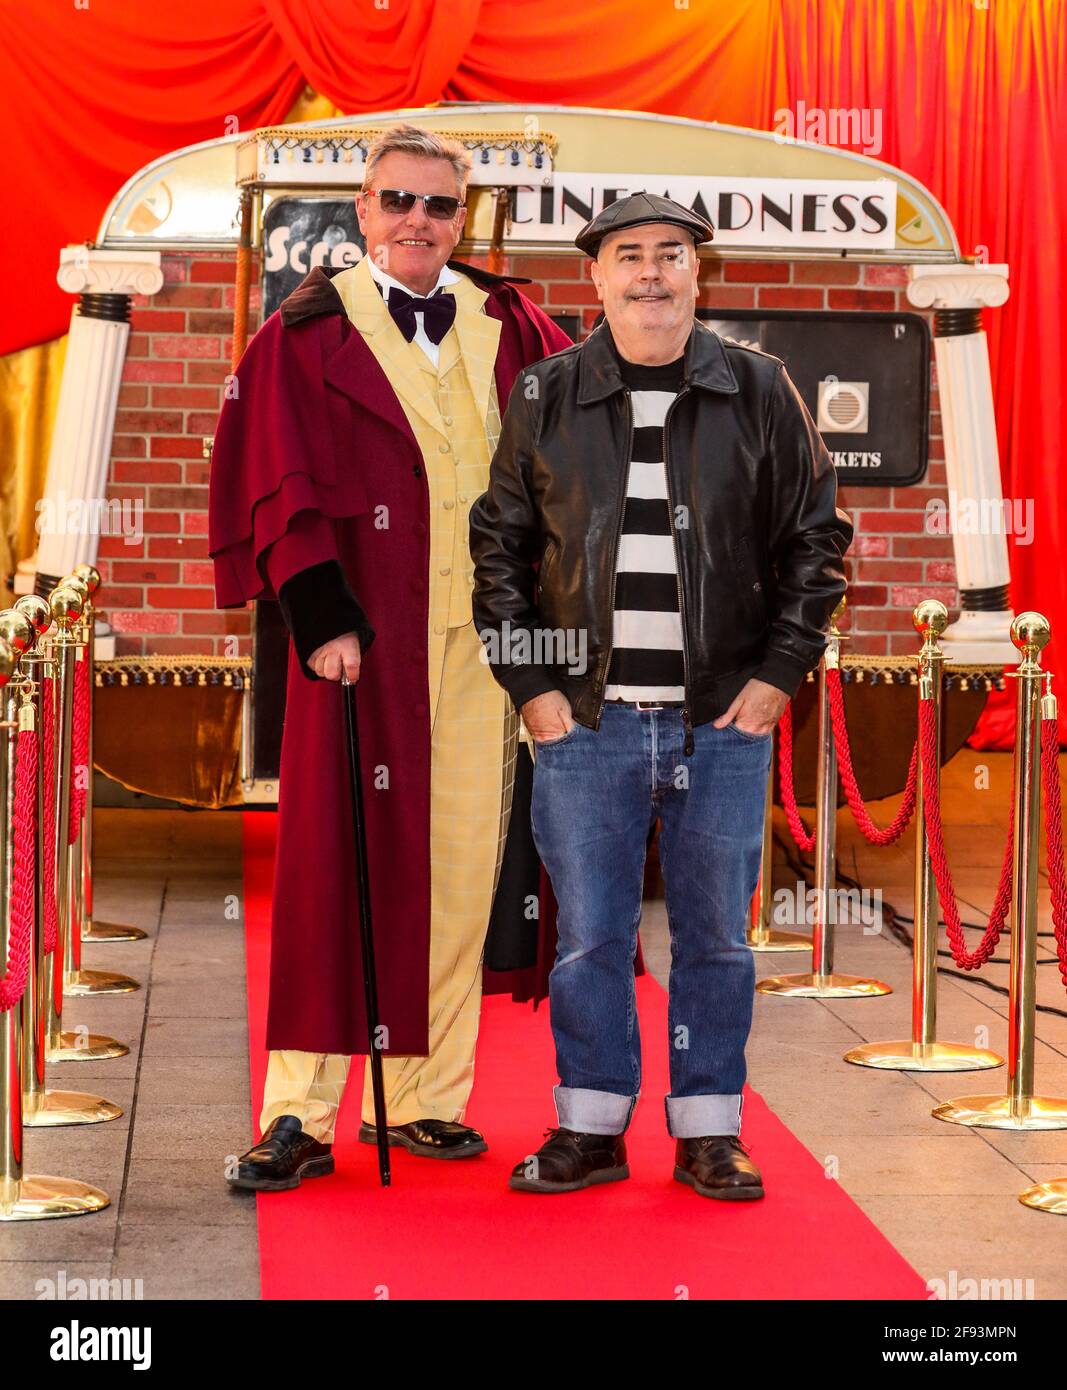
<point>366,936</point>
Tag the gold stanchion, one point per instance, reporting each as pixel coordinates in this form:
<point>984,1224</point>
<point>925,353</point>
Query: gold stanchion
<point>23,1196</point>
<point>91,930</point>
<point>28,622</point>
<point>1020,1108</point>
<point>62,1107</point>
<point>79,1045</point>
<point>77,980</point>
<point>822,982</point>
<point>761,935</point>
<point>921,1052</point>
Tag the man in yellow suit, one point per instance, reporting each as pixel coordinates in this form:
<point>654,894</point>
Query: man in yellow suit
<point>438,342</point>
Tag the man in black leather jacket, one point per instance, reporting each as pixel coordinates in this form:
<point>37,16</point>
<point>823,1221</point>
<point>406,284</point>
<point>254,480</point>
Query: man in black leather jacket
<point>657,559</point>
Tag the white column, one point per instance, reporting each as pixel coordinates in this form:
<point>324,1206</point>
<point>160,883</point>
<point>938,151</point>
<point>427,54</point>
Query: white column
<point>73,511</point>
<point>976,513</point>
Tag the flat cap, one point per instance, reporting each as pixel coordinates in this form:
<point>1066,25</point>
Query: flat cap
<point>635,210</point>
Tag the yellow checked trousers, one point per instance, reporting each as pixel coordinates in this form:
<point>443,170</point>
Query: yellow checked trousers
<point>472,769</point>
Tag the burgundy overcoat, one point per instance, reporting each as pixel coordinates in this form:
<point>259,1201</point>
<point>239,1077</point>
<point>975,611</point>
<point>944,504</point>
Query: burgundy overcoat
<point>314,430</point>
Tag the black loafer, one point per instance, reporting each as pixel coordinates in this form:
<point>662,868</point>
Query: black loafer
<point>570,1161</point>
<point>429,1138</point>
<point>718,1165</point>
<point>282,1158</point>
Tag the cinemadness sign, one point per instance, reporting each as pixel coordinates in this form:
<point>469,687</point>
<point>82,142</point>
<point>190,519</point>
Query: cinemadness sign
<point>803,214</point>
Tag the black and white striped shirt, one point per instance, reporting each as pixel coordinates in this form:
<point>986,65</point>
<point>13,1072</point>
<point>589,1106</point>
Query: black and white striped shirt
<point>646,659</point>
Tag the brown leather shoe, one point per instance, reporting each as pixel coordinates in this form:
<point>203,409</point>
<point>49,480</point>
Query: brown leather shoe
<point>717,1165</point>
<point>570,1161</point>
<point>429,1138</point>
<point>282,1158</point>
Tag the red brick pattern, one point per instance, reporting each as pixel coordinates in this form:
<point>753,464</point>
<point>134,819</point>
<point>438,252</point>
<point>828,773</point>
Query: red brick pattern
<point>159,592</point>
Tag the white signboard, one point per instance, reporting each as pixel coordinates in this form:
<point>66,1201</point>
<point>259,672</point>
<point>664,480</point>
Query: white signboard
<point>816,214</point>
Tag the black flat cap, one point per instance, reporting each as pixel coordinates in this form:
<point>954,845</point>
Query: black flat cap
<point>635,210</point>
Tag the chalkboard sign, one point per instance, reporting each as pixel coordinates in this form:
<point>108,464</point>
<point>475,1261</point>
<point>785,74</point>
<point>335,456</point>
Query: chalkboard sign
<point>865,378</point>
<point>301,233</point>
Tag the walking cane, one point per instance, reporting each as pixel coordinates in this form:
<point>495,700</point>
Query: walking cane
<point>366,936</point>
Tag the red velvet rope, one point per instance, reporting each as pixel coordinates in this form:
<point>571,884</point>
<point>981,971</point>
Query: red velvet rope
<point>1050,776</point>
<point>24,829</point>
<point>966,960</point>
<point>79,748</point>
<point>877,835</point>
<point>48,760</point>
<point>804,840</point>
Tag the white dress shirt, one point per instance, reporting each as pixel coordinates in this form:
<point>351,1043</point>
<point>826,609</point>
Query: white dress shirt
<point>446,277</point>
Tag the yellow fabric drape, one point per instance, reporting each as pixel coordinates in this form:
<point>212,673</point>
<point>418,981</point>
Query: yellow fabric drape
<point>29,394</point>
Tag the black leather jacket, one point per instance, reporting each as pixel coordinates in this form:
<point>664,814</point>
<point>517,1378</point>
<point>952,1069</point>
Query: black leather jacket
<point>759,539</point>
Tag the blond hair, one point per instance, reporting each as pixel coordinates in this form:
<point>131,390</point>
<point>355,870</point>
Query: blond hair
<point>405,138</point>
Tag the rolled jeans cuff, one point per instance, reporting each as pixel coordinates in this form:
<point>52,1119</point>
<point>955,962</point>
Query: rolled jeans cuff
<point>592,1112</point>
<point>691,1117</point>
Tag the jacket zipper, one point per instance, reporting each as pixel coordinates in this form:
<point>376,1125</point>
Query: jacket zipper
<point>687,722</point>
<point>615,553</point>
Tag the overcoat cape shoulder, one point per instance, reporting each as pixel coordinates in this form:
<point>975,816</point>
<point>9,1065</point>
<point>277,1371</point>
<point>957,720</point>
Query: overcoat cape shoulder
<point>311,426</point>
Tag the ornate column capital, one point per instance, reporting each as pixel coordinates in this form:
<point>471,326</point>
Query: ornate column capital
<point>961,286</point>
<point>90,270</point>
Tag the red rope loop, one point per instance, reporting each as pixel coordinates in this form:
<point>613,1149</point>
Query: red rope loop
<point>966,960</point>
<point>24,828</point>
<point>48,761</point>
<point>877,835</point>
<point>804,839</point>
<point>79,744</point>
<point>1050,776</point>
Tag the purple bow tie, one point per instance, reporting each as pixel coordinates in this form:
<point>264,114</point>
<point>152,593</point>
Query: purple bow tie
<point>439,313</point>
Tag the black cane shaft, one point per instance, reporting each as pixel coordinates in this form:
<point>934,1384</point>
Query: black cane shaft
<point>366,935</point>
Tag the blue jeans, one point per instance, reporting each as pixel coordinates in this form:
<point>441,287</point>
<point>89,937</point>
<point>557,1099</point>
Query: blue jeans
<point>595,797</point>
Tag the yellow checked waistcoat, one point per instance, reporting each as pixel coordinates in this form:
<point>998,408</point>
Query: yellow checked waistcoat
<point>455,416</point>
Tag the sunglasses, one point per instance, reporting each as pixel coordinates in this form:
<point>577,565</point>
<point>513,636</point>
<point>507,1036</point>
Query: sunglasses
<point>398,200</point>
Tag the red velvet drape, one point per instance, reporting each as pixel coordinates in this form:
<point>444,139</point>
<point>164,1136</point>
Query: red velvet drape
<point>974,102</point>
<point>972,96</point>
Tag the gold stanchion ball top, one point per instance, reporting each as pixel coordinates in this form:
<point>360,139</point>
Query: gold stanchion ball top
<point>17,630</point>
<point>66,604</point>
<point>9,661</point>
<point>930,618</point>
<point>89,574</point>
<point>73,581</point>
<point>37,610</point>
<point>1031,632</point>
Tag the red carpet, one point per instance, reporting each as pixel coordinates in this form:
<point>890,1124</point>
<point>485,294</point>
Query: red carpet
<point>454,1230</point>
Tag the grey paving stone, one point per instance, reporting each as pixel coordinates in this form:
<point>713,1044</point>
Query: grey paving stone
<point>917,1164</point>
<point>198,1081</point>
<point>43,1279</point>
<point>206,1037</point>
<point>183,1262</point>
<point>197,999</point>
<point>198,1196</point>
<point>181,1132</point>
<point>89,1237</point>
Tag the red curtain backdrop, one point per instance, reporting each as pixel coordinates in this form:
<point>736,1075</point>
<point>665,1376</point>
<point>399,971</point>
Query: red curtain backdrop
<point>971,96</point>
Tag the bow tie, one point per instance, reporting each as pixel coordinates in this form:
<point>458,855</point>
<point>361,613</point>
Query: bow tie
<point>439,313</point>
